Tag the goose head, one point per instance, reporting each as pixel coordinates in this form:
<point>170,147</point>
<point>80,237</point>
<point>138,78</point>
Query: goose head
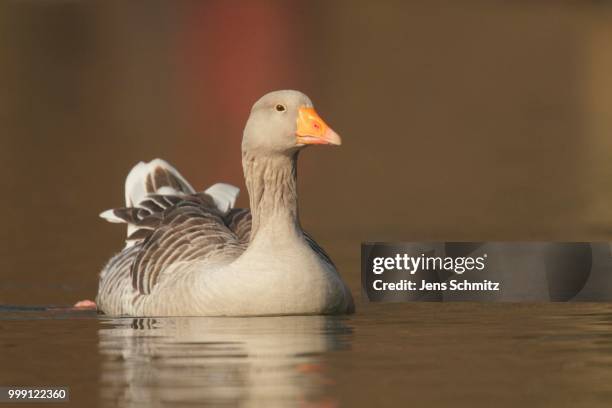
<point>282,122</point>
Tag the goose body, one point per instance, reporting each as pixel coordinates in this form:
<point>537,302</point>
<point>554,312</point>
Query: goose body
<point>192,253</point>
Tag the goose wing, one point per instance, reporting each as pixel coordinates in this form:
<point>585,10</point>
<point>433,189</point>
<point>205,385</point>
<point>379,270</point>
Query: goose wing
<point>171,229</point>
<point>191,230</point>
<point>238,220</point>
<point>168,222</point>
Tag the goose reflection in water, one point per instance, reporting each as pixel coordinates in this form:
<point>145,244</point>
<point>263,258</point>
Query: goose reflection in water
<point>267,361</point>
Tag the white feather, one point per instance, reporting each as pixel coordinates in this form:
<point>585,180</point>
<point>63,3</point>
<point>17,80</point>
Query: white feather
<point>224,196</point>
<point>109,215</point>
<point>168,191</point>
<point>134,184</point>
<point>135,190</point>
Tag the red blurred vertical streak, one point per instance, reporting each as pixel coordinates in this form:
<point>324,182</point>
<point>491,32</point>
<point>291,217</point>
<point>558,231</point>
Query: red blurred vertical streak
<point>232,52</point>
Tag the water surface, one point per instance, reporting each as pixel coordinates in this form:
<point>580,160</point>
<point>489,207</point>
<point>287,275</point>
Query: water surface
<point>420,354</point>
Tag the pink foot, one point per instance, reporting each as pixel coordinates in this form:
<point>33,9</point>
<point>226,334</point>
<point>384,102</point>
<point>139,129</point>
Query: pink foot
<point>85,304</point>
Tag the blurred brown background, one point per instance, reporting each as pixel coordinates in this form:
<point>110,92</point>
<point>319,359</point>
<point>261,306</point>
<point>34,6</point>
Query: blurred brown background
<point>474,121</point>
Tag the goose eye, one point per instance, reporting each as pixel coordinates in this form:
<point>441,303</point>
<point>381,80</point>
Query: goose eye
<point>280,108</point>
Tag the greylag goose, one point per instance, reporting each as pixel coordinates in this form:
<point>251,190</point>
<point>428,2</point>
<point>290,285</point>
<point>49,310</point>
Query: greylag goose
<point>191,253</point>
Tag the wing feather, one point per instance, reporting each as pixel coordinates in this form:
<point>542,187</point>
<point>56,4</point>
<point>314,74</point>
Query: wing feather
<point>238,220</point>
<point>191,230</point>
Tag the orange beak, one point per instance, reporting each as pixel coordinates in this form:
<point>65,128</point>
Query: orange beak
<point>311,129</point>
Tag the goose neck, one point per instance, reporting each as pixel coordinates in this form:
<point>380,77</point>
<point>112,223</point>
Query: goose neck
<point>272,185</point>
